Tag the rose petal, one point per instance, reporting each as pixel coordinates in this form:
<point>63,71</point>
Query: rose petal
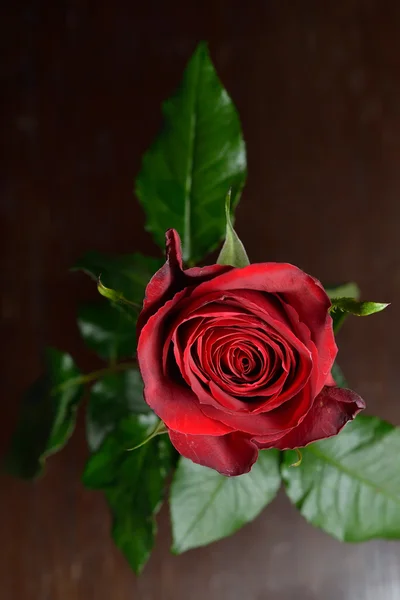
<point>206,397</point>
<point>171,278</point>
<point>276,423</point>
<point>231,454</point>
<point>301,291</point>
<point>173,402</point>
<point>331,410</point>
<point>209,307</point>
<point>324,360</point>
<point>255,424</point>
<point>197,275</point>
<point>165,282</point>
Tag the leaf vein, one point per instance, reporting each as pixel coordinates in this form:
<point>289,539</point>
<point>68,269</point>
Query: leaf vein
<point>206,506</point>
<point>353,474</point>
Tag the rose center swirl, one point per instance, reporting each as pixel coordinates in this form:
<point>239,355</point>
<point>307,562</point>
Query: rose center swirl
<point>244,362</point>
<point>232,357</point>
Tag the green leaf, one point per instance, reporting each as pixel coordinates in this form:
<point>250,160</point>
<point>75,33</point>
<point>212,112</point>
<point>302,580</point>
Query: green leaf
<point>112,399</point>
<point>107,330</point>
<point>349,485</point>
<point>114,295</point>
<point>133,483</point>
<point>345,290</point>
<point>338,318</point>
<point>197,157</point>
<point>47,418</point>
<point>354,307</point>
<point>348,290</point>
<point>341,307</point>
<point>232,252</point>
<point>206,506</point>
<point>127,274</point>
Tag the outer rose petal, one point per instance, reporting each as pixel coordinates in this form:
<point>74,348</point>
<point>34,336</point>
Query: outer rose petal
<point>167,280</point>
<point>173,402</point>
<point>231,454</point>
<point>331,410</point>
<point>197,275</point>
<point>269,425</point>
<point>171,278</point>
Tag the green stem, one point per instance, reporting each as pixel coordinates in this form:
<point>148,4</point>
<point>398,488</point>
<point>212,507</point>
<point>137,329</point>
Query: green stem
<point>158,430</point>
<point>89,377</point>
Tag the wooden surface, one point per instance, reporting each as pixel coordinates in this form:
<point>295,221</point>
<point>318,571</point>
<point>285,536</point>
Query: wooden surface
<point>318,88</point>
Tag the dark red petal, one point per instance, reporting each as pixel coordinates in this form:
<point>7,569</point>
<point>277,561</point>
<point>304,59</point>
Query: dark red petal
<point>197,275</point>
<point>331,410</point>
<point>171,278</point>
<point>325,356</point>
<point>276,423</point>
<point>166,282</point>
<point>231,454</point>
<point>260,424</point>
<point>206,398</point>
<point>173,402</point>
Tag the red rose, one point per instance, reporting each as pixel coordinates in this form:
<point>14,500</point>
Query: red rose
<point>234,360</point>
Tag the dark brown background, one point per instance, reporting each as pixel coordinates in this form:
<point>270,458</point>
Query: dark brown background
<point>317,85</point>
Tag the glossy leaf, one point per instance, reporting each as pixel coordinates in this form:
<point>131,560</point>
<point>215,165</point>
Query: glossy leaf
<point>198,156</point>
<point>206,506</point>
<point>349,485</point>
<point>133,483</point>
<point>232,252</point>
<point>338,318</point>
<point>47,418</point>
<point>127,274</point>
<point>342,307</point>
<point>354,307</point>
<point>112,399</point>
<point>348,290</point>
<point>107,330</point>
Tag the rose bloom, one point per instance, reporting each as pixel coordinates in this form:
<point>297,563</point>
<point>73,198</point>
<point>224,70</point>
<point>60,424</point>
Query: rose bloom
<point>239,359</point>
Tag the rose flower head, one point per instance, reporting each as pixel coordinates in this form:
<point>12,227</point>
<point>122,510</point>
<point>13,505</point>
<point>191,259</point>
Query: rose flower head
<point>239,359</point>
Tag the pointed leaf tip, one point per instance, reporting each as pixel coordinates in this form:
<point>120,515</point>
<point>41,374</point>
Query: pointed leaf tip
<point>199,154</point>
<point>115,296</point>
<point>354,307</point>
<point>109,293</point>
<point>232,252</point>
